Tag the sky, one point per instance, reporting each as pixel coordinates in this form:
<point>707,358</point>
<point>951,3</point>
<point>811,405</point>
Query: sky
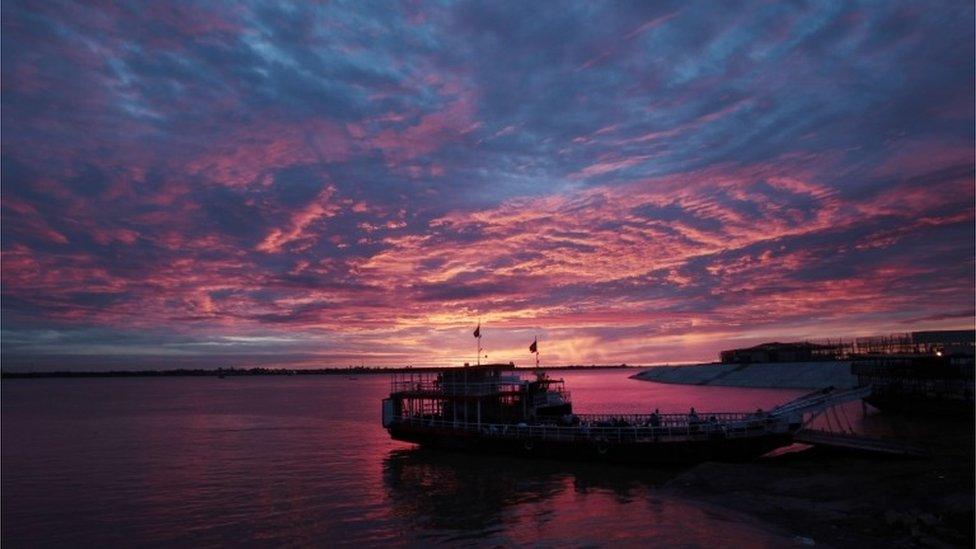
<point>262,184</point>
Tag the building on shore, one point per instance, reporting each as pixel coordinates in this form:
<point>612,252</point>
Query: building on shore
<point>803,351</point>
<point>941,342</point>
<point>924,371</point>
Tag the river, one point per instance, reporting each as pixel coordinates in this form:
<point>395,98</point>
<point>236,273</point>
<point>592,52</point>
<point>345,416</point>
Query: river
<point>303,460</point>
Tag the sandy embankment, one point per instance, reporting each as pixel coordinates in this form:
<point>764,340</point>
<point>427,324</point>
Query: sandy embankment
<point>784,375</point>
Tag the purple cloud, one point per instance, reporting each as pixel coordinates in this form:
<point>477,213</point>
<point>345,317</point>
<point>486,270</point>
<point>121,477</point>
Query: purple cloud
<point>635,183</point>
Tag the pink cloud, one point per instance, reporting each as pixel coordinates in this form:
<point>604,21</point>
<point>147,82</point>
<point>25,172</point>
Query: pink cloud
<point>608,165</point>
<point>321,207</point>
<point>429,134</point>
<point>257,149</point>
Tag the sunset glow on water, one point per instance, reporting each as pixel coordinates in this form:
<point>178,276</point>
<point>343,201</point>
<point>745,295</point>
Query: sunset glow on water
<point>305,461</point>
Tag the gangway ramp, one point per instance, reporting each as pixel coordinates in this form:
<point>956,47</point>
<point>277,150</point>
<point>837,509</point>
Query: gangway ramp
<point>818,402</point>
<point>862,443</point>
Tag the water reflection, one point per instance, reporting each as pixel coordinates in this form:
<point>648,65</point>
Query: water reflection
<point>445,496</point>
<point>452,487</point>
<point>447,491</point>
<point>304,461</point>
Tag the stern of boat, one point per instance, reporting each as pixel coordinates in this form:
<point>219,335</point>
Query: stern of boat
<point>387,415</point>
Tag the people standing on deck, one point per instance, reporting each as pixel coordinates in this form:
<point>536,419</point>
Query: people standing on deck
<point>656,418</point>
<point>692,416</point>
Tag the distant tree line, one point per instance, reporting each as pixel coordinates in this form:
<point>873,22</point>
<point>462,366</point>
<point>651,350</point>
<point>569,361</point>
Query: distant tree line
<point>231,372</point>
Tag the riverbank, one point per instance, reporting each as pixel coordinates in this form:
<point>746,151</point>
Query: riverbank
<point>781,375</point>
<point>845,499</point>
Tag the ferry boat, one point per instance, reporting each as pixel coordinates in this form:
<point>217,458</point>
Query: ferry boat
<point>494,408</point>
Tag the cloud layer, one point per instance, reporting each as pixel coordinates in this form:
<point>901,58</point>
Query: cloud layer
<point>354,182</point>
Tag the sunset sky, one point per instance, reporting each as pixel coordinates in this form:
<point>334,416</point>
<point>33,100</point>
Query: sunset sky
<point>354,182</point>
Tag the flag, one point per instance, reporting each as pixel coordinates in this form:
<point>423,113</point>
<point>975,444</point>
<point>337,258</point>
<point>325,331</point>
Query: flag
<point>477,331</point>
<point>534,348</point>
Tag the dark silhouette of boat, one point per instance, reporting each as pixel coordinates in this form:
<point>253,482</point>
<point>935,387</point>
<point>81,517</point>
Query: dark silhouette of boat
<point>492,408</point>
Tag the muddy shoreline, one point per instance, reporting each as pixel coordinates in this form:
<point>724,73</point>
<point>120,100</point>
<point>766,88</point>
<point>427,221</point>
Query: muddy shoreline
<point>847,499</point>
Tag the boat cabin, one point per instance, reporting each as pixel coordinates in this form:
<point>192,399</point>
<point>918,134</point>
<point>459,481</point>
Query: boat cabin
<point>491,393</point>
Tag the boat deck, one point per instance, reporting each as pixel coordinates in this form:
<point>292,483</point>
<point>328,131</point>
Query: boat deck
<point>598,428</point>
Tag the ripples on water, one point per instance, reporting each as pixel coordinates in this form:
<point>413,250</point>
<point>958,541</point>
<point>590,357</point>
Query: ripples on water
<point>304,461</point>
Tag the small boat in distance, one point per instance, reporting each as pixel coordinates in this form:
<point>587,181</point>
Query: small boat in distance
<point>492,408</point>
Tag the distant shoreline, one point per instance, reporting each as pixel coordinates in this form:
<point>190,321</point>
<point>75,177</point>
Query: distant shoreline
<point>246,372</point>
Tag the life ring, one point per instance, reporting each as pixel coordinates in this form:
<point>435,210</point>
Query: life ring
<point>528,445</point>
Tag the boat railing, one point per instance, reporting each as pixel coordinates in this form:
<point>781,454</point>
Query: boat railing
<point>435,387</point>
<point>550,398</point>
<point>453,388</point>
<point>666,419</point>
<point>596,433</point>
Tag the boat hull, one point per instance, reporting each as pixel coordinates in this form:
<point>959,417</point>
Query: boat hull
<point>660,452</point>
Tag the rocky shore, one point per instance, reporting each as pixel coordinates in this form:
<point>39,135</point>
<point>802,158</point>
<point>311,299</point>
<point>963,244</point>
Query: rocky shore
<point>844,499</point>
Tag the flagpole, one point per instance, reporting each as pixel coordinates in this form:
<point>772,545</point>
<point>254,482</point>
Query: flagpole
<point>536,339</point>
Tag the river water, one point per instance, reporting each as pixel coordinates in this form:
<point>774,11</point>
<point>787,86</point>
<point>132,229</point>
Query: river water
<point>303,460</point>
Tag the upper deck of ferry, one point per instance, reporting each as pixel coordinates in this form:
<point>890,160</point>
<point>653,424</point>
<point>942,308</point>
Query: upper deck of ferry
<point>487,380</point>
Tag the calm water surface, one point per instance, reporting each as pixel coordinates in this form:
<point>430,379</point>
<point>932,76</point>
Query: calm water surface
<point>304,461</point>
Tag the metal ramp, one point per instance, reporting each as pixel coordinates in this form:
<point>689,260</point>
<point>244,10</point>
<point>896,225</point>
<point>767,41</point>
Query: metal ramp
<point>825,402</point>
<point>818,402</point>
<point>862,443</point>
